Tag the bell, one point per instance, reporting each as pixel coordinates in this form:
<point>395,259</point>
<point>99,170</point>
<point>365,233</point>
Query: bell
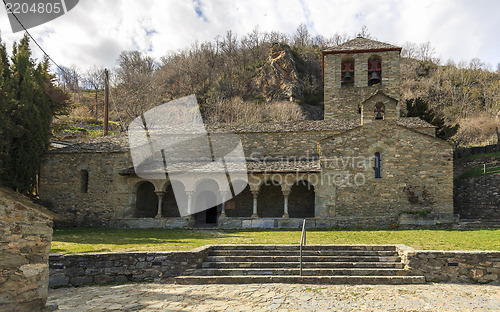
<point>374,79</point>
<point>347,76</point>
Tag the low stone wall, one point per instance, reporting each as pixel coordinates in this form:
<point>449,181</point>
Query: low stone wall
<point>453,266</point>
<point>274,223</point>
<point>410,221</point>
<point>25,236</point>
<point>104,268</point>
<point>152,223</point>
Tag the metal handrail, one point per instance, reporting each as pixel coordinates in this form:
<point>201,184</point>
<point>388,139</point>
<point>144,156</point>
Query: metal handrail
<point>302,242</point>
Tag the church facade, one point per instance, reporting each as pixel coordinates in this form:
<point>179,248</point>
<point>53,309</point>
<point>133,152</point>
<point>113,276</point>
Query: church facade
<point>362,166</point>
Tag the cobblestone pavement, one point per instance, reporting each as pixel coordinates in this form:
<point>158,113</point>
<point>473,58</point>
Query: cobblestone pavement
<point>278,297</point>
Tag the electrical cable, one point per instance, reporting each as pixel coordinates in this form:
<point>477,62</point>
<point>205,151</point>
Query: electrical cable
<point>45,53</point>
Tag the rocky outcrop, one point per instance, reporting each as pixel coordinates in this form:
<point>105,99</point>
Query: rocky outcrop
<point>279,79</point>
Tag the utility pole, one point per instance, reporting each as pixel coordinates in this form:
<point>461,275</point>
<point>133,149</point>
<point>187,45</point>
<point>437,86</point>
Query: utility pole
<point>498,141</point>
<point>106,101</point>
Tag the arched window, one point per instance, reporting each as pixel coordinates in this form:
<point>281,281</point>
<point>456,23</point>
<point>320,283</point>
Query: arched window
<point>374,70</point>
<point>347,72</point>
<point>84,181</point>
<point>377,166</point>
<point>379,111</point>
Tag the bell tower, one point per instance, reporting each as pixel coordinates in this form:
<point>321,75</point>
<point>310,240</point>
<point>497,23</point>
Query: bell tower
<point>354,71</point>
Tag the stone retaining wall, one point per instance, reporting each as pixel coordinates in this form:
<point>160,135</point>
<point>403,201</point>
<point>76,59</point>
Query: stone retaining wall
<point>453,266</point>
<point>475,200</point>
<point>104,268</point>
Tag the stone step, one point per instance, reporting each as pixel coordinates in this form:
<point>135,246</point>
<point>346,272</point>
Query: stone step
<point>304,253</point>
<point>305,272</point>
<point>250,279</point>
<point>234,265</point>
<point>304,259</point>
<point>307,247</point>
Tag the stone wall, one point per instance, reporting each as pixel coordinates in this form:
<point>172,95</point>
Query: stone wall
<point>343,103</point>
<point>83,184</point>
<point>416,173</point>
<point>453,266</point>
<point>104,268</point>
<point>25,236</point>
<point>475,200</point>
<point>107,192</point>
<point>283,144</point>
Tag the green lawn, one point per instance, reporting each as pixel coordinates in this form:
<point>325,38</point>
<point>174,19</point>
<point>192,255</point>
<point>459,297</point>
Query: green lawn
<point>479,171</point>
<point>71,240</point>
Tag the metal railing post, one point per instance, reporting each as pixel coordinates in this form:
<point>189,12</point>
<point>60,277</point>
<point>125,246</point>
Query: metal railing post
<point>302,242</point>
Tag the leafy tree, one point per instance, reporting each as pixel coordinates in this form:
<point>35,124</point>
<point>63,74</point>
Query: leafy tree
<point>29,100</point>
<point>420,108</point>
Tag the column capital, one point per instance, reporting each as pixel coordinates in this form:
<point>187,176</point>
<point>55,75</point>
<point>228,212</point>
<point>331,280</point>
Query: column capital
<point>160,193</point>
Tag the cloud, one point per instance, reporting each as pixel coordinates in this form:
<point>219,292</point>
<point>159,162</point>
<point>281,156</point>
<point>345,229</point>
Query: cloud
<point>95,32</point>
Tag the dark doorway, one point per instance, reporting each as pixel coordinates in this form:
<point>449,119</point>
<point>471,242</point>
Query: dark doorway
<point>147,201</point>
<point>301,200</point>
<point>206,217</point>
<point>211,215</point>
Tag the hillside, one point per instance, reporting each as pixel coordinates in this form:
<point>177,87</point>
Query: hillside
<point>273,77</point>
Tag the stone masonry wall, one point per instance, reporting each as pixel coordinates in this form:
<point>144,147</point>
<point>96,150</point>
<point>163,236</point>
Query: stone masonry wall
<point>342,103</point>
<point>60,181</point>
<point>453,266</point>
<point>416,170</point>
<point>475,200</point>
<point>283,144</point>
<point>107,197</point>
<point>103,268</point>
<point>85,269</point>
<point>25,236</point>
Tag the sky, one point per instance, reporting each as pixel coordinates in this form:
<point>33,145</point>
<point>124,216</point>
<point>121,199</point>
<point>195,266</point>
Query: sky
<point>96,31</point>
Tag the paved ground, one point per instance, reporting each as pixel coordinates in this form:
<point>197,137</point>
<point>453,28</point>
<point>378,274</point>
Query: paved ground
<point>278,297</point>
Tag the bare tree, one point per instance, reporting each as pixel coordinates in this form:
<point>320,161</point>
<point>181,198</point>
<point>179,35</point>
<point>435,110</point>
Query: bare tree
<point>409,50</point>
<point>94,78</point>
<point>364,33</point>
<point>302,38</point>
<point>426,52</point>
<point>136,89</point>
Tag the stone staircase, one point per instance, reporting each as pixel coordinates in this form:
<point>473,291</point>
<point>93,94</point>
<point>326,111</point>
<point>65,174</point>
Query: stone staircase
<point>322,264</point>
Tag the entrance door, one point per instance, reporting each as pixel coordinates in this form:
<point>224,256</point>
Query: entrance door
<point>209,216</point>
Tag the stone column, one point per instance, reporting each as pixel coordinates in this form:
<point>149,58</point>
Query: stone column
<point>223,195</point>
<point>160,195</point>
<point>285,204</point>
<point>255,195</point>
<point>190,202</point>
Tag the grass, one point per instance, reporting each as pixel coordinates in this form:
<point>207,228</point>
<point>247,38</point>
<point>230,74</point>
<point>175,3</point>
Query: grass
<point>72,240</point>
<point>479,171</point>
<point>479,156</point>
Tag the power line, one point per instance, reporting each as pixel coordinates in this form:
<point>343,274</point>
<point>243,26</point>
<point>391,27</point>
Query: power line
<point>45,53</point>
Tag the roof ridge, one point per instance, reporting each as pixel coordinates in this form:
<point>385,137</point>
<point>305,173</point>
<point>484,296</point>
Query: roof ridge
<point>362,44</point>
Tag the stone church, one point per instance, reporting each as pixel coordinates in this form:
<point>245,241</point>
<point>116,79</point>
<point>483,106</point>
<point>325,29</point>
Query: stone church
<point>362,166</point>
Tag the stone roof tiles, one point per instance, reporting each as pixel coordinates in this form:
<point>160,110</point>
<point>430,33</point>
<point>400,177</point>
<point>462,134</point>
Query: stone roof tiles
<point>119,142</point>
<point>257,166</point>
<point>361,44</point>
